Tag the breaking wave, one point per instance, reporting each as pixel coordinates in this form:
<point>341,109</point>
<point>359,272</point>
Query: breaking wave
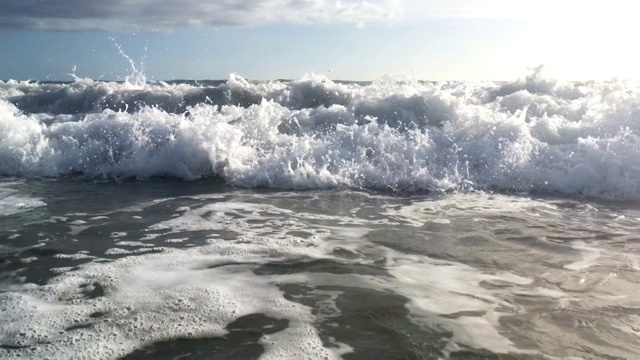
<point>398,134</point>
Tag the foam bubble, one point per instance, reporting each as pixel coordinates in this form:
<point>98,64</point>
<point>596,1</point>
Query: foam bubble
<point>152,298</point>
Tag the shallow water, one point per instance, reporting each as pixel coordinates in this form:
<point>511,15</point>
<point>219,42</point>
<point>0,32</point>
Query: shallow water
<point>167,268</point>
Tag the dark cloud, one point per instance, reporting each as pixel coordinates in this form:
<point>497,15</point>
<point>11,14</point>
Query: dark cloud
<point>162,15</point>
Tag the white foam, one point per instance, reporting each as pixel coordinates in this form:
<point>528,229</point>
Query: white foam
<point>531,135</point>
<point>121,251</point>
<point>176,241</point>
<point>420,213</point>
<point>62,269</point>
<point>156,297</point>
<point>198,291</point>
<point>117,251</point>
<point>101,217</point>
<point>441,288</point>
<point>77,256</point>
<point>12,203</point>
<point>133,243</point>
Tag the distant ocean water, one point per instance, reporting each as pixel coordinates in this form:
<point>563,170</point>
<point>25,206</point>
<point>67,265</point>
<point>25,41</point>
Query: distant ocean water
<point>392,219</point>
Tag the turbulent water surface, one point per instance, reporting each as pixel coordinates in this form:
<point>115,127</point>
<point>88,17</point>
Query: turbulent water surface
<point>396,219</point>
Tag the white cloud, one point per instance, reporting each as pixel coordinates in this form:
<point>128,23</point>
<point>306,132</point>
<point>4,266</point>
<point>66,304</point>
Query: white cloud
<point>162,15</point>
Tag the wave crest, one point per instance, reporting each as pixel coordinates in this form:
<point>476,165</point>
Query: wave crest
<point>534,134</point>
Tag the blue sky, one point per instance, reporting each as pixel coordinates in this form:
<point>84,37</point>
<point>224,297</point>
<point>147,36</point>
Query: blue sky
<point>270,39</point>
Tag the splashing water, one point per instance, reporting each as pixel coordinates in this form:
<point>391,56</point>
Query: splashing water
<point>399,134</point>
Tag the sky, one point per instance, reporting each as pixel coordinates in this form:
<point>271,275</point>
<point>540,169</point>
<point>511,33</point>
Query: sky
<point>347,39</point>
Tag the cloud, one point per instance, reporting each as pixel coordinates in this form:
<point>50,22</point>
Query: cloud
<point>163,15</point>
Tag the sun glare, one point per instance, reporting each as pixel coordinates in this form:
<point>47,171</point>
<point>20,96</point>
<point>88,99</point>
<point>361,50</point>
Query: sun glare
<point>585,40</point>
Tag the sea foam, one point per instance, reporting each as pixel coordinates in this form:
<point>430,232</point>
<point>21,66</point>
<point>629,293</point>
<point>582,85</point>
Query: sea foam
<point>397,134</point>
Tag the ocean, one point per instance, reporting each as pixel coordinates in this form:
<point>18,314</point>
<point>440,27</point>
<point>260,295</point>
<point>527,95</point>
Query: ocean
<point>319,219</point>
